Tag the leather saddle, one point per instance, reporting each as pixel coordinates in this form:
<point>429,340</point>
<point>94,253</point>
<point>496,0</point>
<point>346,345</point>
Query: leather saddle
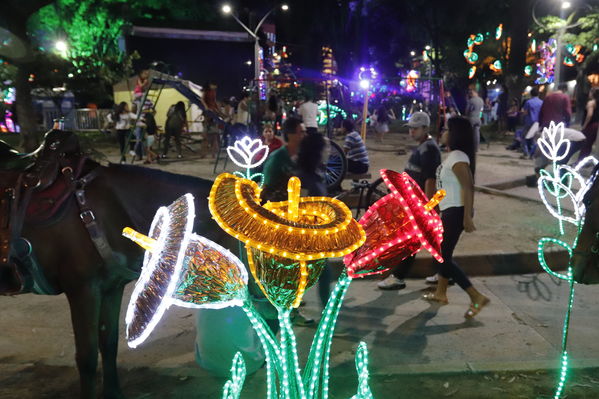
<point>25,176</point>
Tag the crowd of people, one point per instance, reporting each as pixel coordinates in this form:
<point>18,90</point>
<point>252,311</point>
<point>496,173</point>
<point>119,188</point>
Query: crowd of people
<point>298,148</point>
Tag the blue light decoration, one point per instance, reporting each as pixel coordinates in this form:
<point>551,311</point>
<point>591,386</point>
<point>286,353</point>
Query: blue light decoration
<point>496,66</point>
<point>547,60</point>
<point>471,72</point>
<point>499,32</point>
<point>528,70</point>
<point>563,183</point>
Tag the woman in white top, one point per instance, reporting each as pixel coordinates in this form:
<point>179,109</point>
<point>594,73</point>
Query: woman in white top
<point>456,176</point>
<point>123,120</point>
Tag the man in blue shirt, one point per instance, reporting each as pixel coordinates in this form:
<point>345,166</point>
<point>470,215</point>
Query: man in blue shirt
<point>531,111</point>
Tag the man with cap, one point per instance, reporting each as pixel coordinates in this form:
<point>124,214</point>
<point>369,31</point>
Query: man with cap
<point>422,166</point>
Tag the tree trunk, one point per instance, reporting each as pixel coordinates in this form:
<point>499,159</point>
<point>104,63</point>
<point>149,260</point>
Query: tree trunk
<point>30,137</point>
<point>520,17</point>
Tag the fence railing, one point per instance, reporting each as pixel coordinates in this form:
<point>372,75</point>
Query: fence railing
<point>90,119</point>
<point>82,119</point>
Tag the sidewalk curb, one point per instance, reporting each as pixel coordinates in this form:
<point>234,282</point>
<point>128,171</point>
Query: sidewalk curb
<point>478,265</point>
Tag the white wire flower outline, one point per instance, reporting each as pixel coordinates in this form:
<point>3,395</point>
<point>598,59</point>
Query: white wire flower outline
<point>555,147</point>
<point>248,153</point>
<point>551,141</point>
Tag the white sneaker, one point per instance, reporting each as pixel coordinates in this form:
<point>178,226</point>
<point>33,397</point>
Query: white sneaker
<point>434,279</point>
<point>132,153</point>
<point>391,283</point>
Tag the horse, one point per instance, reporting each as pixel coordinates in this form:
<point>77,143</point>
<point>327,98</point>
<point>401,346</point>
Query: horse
<point>118,196</point>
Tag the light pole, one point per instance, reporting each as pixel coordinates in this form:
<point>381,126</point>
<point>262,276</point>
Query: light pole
<point>366,76</point>
<point>227,9</point>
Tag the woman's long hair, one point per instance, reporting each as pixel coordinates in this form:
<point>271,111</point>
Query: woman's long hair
<point>120,109</point>
<point>309,157</point>
<point>381,114</point>
<point>180,108</point>
<point>461,137</point>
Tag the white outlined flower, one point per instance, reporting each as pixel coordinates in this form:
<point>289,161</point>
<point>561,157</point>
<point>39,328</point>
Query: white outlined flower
<point>248,153</point>
<point>552,140</point>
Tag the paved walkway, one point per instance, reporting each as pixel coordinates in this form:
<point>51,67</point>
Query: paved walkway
<point>519,330</point>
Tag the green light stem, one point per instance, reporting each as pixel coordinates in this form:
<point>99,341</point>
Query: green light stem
<point>233,387</point>
<point>564,366</point>
<point>289,354</point>
<point>321,344</point>
<point>271,349</point>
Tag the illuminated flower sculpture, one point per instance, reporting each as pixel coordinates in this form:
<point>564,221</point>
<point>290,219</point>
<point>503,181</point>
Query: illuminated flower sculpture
<point>397,226</point>
<point>563,183</point>
<point>286,245</point>
<point>286,242</point>
<point>180,268</point>
<point>247,153</point>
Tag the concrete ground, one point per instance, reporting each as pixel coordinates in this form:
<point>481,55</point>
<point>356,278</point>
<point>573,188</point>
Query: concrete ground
<point>416,350</point>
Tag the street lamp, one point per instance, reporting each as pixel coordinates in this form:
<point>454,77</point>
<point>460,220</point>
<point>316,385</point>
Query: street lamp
<point>227,9</point>
<point>61,46</point>
<point>366,76</point>
<point>566,5</point>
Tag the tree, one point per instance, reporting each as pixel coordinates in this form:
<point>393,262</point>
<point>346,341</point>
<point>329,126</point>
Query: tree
<point>20,11</point>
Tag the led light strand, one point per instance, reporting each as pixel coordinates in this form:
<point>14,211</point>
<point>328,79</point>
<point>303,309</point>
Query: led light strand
<point>559,185</point>
<point>364,391</point>
<point>233,387</point>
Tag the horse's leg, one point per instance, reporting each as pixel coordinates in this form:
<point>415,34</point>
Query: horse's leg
<point>85,310</point>
<point>109,339</point>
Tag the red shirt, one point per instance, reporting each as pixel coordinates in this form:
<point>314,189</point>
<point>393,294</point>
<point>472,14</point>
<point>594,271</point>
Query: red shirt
<point>557,108</point>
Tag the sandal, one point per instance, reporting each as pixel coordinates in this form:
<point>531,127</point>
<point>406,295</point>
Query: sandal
<point>431,297</point>
<point>475,308</point>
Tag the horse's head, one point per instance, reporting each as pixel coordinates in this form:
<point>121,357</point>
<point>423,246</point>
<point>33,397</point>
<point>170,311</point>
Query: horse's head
<point>586,253</point>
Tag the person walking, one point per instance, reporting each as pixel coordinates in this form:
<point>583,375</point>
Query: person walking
<point>590,124</point>
<point>309,113</point>
<point>456,176</point>
<point>175,123</point>
<point>280,165</point>
<point>474,109</point>
<point>556,108</point>
<point>354,148</point>
<point>422,166</point>
<point>123,118</point>
<point>311,158</point>
<point>381,123</point>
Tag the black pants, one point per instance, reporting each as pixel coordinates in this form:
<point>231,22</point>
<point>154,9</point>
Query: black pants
<point>357,168</point>
<point>453,225</point>
<point>121,136</point>
<point>167,139</point>
<point>401,271</point>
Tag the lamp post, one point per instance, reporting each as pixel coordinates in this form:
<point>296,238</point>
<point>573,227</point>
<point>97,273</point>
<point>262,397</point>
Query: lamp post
<point>366,76</point>
<point>227,9</point>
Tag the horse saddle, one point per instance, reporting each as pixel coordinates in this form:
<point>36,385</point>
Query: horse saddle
<point>39,175</point>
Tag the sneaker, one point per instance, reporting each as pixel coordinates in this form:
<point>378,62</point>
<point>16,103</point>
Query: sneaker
<point>434,279</point>
<point>132,153</point>
<point>300,320</point>
<point>391,283</point>
<point>179,156</point>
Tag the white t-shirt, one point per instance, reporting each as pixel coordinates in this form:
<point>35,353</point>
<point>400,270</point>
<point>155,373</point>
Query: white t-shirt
<point>448,181</point>
<point>309,112</point>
